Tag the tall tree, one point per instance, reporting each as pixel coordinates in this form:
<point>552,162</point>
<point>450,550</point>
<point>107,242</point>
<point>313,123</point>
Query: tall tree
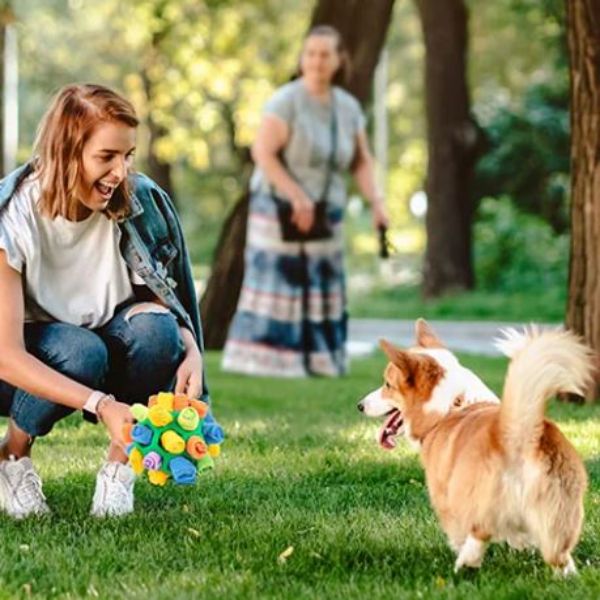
<point>7,18</point>
<point>454,142</point>
<point>363,26</point>
<point>583,309</point>
<point>3,19</point>
<point>158,169</point>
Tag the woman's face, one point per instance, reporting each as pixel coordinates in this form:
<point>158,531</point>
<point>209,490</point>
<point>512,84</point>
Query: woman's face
<point>106,159</point>
<point>320,59</point>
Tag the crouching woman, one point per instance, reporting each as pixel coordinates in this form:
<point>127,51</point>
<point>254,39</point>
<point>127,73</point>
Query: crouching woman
<point>97,303</point>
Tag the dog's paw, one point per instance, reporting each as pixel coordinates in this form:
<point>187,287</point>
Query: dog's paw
<point>474,564</point>
<point>567,570</point>
<point>470,555</point>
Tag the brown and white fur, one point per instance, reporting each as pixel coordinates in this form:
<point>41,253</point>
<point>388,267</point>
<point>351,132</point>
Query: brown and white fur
<point>495,472</point>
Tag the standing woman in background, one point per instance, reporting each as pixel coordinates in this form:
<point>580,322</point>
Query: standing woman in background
<point>291,317</point>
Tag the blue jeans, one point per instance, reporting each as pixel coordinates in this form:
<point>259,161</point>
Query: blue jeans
<point>130,357</point>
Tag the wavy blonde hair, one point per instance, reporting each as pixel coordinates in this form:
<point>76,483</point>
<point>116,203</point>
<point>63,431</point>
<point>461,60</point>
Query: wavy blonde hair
<point>70,120</point>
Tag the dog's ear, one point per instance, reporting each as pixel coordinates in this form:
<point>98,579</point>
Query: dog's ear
<point>405,362</point>
<point>426,338</point>
<point>390,350</point>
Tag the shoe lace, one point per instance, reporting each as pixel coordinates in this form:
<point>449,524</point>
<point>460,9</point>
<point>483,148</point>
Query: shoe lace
<point>118,492</point>
<point>29,491</point>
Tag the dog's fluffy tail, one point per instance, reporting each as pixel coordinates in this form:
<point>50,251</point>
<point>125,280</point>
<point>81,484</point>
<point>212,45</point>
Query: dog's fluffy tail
<point>542,365</point>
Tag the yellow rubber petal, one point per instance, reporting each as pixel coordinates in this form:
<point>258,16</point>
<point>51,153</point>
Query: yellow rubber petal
<point>172,442</point>
<point>159,416</point>
<point>165,399</point>
<point>136,460</point>
<point>157,477</point>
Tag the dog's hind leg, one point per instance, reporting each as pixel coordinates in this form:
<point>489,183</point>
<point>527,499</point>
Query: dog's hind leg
<point>564,566</point>
<point>556,547</point>
<point>470,554</point>
<point>558,530</point>
<point>558,539</point>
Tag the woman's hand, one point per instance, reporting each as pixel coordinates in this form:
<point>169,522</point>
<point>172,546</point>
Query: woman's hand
<point>114,415</point>
<point>303,213</point>
<point>380,216</point>
<point>189,374</point>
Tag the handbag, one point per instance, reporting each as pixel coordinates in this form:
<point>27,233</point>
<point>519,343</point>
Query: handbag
<point>321,228</point>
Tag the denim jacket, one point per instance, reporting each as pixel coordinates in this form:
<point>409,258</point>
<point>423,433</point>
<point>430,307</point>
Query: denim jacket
<point>152,244</point>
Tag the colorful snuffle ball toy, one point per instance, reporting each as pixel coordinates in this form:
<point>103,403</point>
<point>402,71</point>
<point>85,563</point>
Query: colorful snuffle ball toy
<point>174,437</point>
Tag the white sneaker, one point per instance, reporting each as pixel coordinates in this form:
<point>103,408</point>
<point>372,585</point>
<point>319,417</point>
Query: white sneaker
<point>21,489</point>
<point>114,490</point>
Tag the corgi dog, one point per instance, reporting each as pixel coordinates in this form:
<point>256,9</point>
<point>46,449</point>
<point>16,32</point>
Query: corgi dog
<point>495,471</point>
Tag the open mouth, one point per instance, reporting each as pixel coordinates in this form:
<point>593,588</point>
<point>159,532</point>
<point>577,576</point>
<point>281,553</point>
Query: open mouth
<point>390,429</point>
<point>106,191</point>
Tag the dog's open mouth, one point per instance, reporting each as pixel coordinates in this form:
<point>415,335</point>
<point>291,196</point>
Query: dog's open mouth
<point>390,429</point>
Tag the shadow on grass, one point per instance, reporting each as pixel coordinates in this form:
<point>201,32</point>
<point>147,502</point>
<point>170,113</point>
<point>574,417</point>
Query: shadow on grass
<point>338,523</point>
<point>372,525</point>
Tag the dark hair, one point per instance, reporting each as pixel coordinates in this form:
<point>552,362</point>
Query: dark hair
<point>342,75</point>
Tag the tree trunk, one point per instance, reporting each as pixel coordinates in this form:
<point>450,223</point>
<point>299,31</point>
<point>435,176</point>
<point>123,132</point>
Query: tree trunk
<point>158,169</point>
<point>454,142</point>
<point>2,41</point>
<point>7,18</point>
<point>583,308</point>
<point>363,26</point>
<point>223,288</point>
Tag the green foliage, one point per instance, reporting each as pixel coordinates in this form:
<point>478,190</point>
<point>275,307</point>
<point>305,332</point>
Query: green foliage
<point>514,44</point>
<point>521,100</point>
<point>516,252</point>
<point>528,157</point>
<point>205,199</point>
<point>406,302</point>
<point>521,274</point>
<point>407,144</point>
<point>204,68</point>
<point>300,468</point>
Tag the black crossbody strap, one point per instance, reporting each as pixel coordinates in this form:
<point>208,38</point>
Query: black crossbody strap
<point>331,163</point>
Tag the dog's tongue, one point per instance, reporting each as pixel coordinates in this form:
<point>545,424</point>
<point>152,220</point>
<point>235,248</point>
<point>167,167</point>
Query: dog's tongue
<point>389,430</point>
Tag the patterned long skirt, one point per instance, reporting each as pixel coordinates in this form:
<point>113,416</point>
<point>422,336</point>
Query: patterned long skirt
<point>291,318</point>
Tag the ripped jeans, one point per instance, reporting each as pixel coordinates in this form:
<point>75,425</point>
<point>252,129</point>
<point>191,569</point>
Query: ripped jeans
<point>132,357</point>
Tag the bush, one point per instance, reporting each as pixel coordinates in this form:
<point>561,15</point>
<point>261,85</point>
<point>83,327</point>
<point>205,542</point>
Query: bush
<point>516,251</point>
<point>528,154</point>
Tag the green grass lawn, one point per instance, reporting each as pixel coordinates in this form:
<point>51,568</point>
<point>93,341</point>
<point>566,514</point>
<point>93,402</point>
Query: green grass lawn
<point>300,469</point>
<point>406,302</point>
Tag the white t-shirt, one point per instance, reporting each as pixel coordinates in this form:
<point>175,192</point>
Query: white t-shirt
<point>72,271</point>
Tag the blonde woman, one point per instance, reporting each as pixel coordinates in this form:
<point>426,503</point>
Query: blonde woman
<point>291,316</point>
<point>97,303</point>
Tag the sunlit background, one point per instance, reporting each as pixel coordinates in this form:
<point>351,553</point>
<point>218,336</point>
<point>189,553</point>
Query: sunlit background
<point>204,80</point>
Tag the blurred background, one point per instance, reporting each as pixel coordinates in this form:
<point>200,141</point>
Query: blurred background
<point>199,71</point>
